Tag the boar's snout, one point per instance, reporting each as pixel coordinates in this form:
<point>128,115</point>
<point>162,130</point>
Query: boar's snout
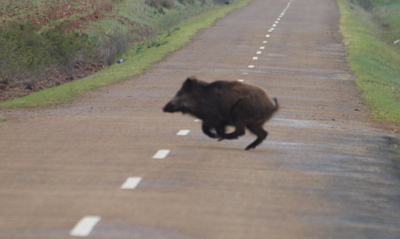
<point>169,108</point>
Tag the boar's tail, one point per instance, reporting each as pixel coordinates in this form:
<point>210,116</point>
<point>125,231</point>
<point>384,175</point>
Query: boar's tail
<point>276,104</point>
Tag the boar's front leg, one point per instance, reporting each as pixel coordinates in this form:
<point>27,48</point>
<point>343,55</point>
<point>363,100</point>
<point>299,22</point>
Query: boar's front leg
<point>206,127</point>
<point>220,129</point>
<point>239,131</point>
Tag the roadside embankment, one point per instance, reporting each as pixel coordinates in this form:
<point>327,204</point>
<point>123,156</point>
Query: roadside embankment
<point>371,31</point>
<point>154,28</point>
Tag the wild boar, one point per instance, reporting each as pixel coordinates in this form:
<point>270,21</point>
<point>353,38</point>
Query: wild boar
<point>222,103</point>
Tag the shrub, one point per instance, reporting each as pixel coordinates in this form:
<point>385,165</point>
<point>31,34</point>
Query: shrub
<point>366,4</point>
<point>184,2</point>
<point>168,4</point>
<point>21,49</point>
<point>112,44</point>
<point>25,51</point>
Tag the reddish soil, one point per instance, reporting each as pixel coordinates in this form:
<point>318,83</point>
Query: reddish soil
<point>51,78</point>
<point>77,14</point>
<point>48,12</point>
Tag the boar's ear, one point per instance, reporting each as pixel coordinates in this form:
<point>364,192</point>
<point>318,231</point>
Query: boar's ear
<point>188,85</point>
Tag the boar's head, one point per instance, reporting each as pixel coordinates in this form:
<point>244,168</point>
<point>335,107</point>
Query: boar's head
<point>186,99</point>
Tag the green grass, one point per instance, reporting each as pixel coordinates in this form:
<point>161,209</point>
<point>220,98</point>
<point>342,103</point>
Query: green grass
<point>374,59</point>
<point>2,120</point>
<point>395,154</point>
<point>135,64</point>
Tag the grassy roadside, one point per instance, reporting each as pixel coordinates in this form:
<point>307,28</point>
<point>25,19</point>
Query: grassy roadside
<point>395,155</point>
<point>135,64</point>
<point>372,55</point>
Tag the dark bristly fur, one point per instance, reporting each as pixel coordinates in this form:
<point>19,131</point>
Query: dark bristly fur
<point>222,103</point>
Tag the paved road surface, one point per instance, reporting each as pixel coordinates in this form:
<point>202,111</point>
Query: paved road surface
<point>321,173</point>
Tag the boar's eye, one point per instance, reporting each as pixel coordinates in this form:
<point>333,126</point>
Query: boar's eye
<point>179,94</point>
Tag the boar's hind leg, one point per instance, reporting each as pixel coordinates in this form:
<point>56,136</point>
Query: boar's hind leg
<point>236,117</point>
<point>206,127</point>
<point>260,132</point>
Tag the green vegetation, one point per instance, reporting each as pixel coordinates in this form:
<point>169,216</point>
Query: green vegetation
<point>48,43</point>
<point>139,58</point>
<point>24,50</point>
<point>395,154</point>
<point>370,29</point>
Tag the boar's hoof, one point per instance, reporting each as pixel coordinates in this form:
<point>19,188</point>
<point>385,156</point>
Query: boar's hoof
<point>252,146</point>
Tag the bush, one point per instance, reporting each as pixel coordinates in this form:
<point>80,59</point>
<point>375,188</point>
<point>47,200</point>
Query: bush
<point>168,4</point>
<point>23,48</point>
<point>112,44</point>
<point>26,53</point>
<point>221,2</point>
<point>63,47</point>
<point>184,2</point>
<point>366,4</point>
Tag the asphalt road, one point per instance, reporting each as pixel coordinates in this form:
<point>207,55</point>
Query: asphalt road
<point>323,171</point>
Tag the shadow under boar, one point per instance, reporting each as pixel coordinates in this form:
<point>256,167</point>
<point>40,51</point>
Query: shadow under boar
<point>222,103</point>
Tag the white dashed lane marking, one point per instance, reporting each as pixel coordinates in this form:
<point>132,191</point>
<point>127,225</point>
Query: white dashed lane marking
<point>267,35</point>
<point>183,132</point>
<point>255,58</point>
<point>131,183</point>
<point>241,80</point>
<point>265,42</point>
<point>85,226</point>
<point>258,52</point>
<point>262,47</point>
<point>251,66</point>
<point>162,153</point>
